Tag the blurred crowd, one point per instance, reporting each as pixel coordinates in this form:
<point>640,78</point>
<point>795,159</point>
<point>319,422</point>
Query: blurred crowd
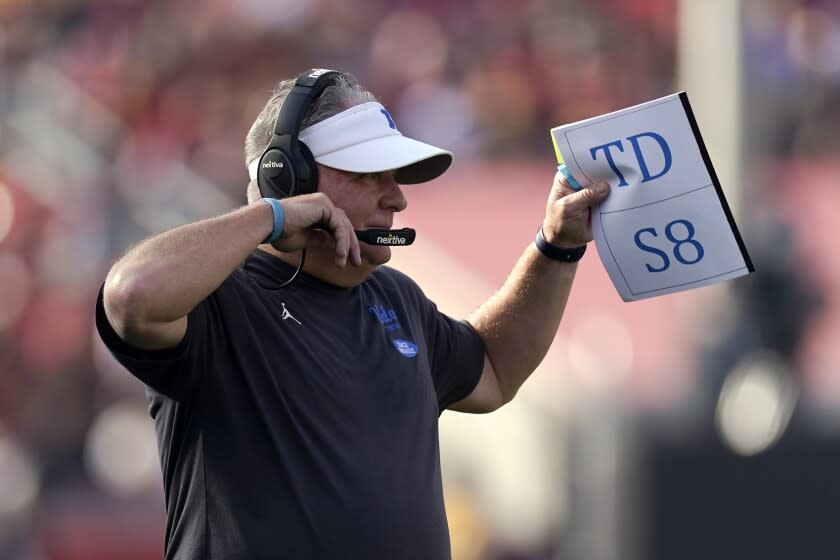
<point>121,118</point>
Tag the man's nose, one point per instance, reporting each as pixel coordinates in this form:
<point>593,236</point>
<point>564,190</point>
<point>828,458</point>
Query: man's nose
<point>393,198</point>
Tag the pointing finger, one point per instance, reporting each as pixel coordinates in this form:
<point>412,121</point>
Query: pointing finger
<point>340,227</point>
<point>355,250</point>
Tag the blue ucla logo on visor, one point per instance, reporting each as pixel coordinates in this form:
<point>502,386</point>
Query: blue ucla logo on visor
<point>391,122</point>
<point>406,347</point>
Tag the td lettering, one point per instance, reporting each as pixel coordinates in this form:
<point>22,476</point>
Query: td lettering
<point>637,151</point>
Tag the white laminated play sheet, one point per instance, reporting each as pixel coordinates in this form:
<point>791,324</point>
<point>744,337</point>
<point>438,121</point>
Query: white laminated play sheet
<point>666,226</point>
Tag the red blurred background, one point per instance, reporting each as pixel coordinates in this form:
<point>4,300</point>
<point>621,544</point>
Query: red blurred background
<point>123,118</point>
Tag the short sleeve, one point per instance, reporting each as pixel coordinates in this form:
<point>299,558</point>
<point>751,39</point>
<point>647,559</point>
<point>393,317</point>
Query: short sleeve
<point>456,355</point>
<point>173,372</point>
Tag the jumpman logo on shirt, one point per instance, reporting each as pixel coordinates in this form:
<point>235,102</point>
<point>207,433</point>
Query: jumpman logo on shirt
<point>287,315</point>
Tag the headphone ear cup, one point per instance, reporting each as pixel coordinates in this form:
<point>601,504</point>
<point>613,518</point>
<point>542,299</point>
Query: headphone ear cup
<point>275,174</point>
<point>307,182</point>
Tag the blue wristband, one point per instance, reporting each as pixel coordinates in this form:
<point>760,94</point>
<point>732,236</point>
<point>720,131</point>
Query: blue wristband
<point>277,209</point>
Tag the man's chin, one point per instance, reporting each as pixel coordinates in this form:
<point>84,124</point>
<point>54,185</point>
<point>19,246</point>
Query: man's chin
<point>376,254</point>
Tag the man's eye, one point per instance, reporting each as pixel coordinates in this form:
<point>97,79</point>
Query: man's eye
<point>368,176</point>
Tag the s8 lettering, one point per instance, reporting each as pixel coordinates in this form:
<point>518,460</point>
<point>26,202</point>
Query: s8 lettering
<point>679,243</point>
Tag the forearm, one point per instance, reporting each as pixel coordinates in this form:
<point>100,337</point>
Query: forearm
<point>163,278</point>
<point>518,323</point>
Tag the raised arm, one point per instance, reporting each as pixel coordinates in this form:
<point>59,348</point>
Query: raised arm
<point>151,289</point>
<point>518,323</point>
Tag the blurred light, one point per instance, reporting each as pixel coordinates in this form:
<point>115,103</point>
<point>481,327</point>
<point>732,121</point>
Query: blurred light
<point>600,352</point>
<point>756,403</point>
<point>410,45</point>
<point>77,163</point>
<point>440,114</point>
<point>814,40</point>
<point>564,36</point>
<point>120,450</point>
<point>468,532</point>
<point>7,211</point>
<point>513,462</point>
<point>558,395</point>
<point>71,256</point>
<point>713,305</point>
<point>18,483</point>
<point>279,14</point>
<point>14,288</point>
<point>54,320</point>
<point>505,103</point>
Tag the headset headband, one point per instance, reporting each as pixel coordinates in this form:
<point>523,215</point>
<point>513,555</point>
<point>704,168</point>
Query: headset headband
<point>286,167</point>
<point>308,86</point>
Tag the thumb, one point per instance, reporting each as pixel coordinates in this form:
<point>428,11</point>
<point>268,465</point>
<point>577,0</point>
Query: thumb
<point>588,197</point>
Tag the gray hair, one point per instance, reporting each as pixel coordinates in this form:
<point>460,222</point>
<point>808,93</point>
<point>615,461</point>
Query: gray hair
<point>343,93</point>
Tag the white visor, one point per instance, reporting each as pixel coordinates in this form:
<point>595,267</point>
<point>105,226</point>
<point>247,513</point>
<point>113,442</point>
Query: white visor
<point>364,139</point>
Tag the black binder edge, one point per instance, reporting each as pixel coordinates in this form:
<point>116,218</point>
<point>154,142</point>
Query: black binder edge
<point>710,168</point>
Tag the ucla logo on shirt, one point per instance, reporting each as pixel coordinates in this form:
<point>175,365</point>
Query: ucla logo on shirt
<point>387,317</point>
<point>406,347</point>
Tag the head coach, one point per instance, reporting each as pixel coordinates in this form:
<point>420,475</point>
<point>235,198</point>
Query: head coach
<point>295,382</point>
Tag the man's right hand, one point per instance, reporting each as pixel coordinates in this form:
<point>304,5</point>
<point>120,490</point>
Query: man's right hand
<point>311,220</point>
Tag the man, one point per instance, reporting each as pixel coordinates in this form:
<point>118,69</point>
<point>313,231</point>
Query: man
<point>296,414</point>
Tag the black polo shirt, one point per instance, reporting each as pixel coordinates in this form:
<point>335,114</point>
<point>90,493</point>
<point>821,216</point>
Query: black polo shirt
<point>301,422</point>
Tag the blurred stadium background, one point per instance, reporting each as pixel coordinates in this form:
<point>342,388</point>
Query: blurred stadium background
<point>698,425</point>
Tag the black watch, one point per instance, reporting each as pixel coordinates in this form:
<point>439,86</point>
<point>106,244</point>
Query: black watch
<point>558,253</point>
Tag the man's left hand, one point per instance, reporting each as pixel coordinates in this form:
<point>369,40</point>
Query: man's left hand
<point>568,221</point>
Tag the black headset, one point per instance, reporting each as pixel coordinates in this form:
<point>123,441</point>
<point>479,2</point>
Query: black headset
<point>287,166</point>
